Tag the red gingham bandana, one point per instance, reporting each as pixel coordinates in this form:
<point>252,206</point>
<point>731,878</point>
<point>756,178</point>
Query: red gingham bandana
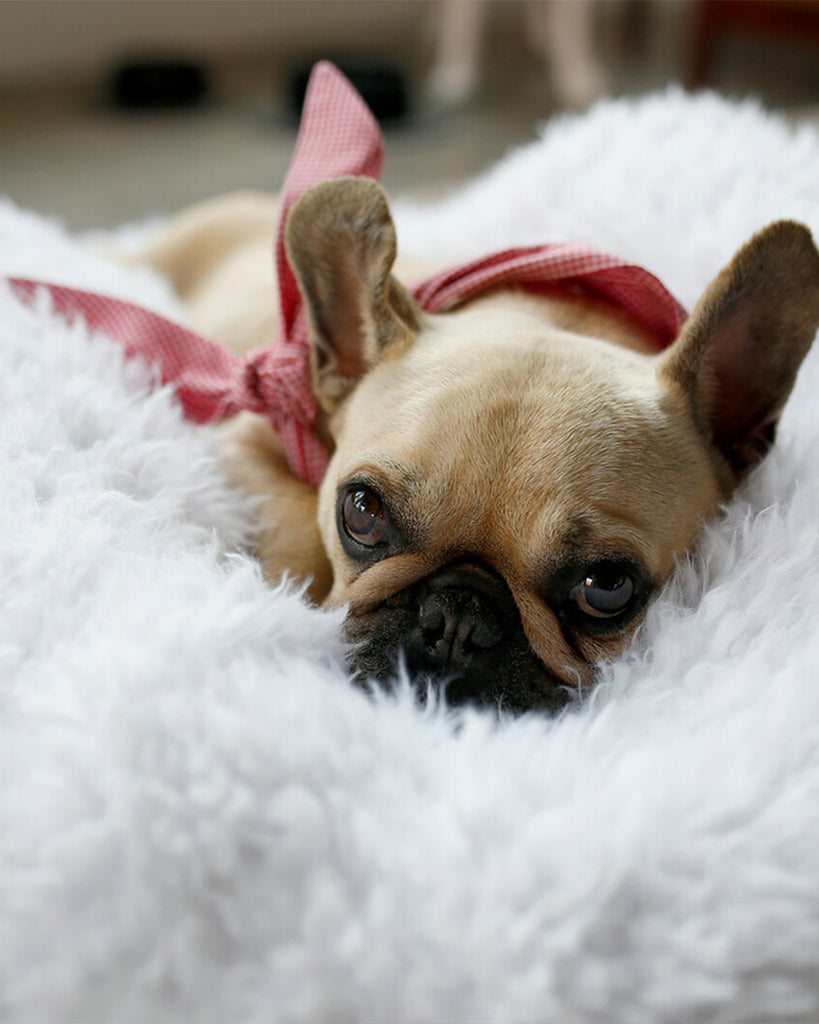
<point>338,136</point>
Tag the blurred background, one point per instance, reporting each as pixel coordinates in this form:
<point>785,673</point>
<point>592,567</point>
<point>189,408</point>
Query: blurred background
<point>116,110</point>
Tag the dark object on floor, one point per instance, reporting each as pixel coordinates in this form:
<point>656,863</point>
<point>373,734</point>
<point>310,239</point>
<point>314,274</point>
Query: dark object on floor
<point>158,84</point>
<point>383,88</point>
<point>796,21</point>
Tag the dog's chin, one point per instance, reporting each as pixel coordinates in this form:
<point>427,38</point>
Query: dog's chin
<point>532,689</point>
<point>456,634</point>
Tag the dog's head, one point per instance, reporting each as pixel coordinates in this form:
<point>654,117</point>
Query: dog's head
<point>505,497</point>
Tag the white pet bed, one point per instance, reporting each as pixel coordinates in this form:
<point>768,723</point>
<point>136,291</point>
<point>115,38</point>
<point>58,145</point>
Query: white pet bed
<point>201,820</point>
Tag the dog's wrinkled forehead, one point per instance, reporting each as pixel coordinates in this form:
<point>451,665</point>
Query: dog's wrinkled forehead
<point>515,441</point>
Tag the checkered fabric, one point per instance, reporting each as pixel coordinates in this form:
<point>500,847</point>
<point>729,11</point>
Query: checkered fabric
<point>338,136</point>
<point>571,266</point>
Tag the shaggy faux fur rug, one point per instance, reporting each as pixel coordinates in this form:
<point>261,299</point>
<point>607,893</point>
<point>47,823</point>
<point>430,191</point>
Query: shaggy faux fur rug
<point>201,820</point>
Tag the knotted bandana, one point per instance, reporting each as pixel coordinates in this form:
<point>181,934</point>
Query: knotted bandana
<point>338,136</point>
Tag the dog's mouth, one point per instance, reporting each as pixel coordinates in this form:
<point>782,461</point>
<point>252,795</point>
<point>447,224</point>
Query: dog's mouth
<point>460,636</point>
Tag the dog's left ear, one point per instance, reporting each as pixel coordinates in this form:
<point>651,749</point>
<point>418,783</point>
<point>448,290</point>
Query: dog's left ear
<point>341,244</point>
<point>739,352</point>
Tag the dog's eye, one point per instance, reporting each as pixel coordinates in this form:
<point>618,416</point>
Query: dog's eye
<point>605,592</point>
<point>363,516</point>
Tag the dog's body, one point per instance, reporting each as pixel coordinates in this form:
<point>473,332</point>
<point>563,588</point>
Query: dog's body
<point>511,481</point>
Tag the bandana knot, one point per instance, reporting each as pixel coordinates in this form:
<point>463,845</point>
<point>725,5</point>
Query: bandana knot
<point>276,384</point>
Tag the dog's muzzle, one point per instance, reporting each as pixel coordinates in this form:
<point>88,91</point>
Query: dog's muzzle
<point>459,632</point>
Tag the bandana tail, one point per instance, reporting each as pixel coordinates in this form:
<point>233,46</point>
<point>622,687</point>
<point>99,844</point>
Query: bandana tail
<point>338,136</point>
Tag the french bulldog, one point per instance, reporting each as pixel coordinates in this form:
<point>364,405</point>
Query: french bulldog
<point>511,481</point>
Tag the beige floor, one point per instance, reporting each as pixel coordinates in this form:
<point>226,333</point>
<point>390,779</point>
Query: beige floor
<point>63,153</point>
<point>92,167</point>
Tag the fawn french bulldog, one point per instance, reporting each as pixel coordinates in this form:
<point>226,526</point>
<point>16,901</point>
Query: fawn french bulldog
<point>512,480</point>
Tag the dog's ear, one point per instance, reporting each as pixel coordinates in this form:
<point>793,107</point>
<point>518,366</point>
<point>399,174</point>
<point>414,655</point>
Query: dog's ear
<point>341,245</point>
<point>739,352</point>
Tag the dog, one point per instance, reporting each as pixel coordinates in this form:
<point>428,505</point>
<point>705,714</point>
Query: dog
<point>511,481</point>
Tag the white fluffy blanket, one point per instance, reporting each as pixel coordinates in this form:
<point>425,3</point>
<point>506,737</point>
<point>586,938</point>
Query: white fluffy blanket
<point>201,820</point>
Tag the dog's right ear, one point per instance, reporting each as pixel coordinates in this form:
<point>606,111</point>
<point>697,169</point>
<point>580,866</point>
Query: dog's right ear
<point>341,245</point>
<point>740,350</point>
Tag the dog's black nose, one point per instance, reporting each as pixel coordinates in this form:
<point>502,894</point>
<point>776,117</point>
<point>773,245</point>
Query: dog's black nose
<point>454,626</point>
<point>463,615</point>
